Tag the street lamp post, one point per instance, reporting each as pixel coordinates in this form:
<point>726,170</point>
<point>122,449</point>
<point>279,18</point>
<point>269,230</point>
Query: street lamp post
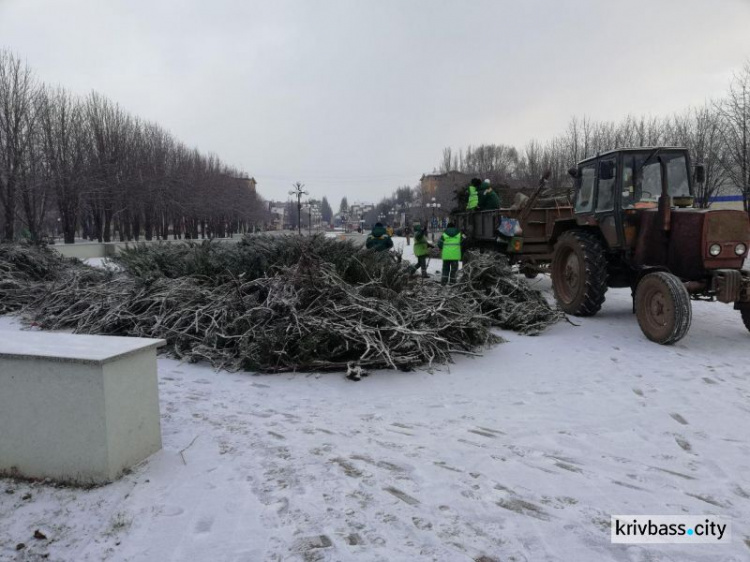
<point>434,205</point>
<point>299,193</point>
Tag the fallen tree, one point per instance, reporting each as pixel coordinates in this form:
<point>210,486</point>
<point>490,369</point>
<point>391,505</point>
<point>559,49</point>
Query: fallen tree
<point>275,304</point>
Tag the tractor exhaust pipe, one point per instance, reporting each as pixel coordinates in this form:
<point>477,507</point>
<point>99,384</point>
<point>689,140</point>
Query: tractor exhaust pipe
<point>665,201</point>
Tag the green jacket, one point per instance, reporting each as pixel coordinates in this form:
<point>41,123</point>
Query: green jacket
<point>473,198</point>
<point>489,200</point>
<point>420,244</point>
<point>450,244</point>
<point>379,240</point>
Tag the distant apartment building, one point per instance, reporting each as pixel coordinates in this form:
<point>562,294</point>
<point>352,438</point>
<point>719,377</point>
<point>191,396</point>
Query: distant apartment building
<point>358,213</point>
<point>439,185</point>
<point>251,184</point>
<point>278,215</point>
<point>312,214</point>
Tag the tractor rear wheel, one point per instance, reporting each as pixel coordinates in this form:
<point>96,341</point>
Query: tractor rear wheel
<point>662,306</point>
<point>579,273</point>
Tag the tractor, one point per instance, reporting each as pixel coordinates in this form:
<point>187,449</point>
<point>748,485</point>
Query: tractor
<point>633,224</point>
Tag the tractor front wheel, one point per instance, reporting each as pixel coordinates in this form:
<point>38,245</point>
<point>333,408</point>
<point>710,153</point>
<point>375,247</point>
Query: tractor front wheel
<point>662,306</point>
<point>579,273</point>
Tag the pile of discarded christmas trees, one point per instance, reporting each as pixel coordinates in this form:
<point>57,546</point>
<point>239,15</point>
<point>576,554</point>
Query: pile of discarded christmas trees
<point>275,303</point>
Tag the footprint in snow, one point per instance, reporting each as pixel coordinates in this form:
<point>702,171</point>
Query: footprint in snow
<point>679,419</point>
<point>683,443</point>
<point>204,525</point>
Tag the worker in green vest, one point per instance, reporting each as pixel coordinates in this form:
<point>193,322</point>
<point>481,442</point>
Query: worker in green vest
<point>473,201</point>
<point>421,250</point>
<point>450,245</point>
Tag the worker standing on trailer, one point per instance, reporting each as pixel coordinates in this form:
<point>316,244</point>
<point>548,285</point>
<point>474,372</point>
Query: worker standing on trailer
<point>473,201</point>
<point>421,250</point>
<point>450,245</point>
<point>378,239</point>
<point>488,199</point>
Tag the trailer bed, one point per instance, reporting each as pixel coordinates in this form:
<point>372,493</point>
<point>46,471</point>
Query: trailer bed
<point>537,224</point>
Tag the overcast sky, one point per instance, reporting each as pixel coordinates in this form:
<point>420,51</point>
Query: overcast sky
<point>356,97</point>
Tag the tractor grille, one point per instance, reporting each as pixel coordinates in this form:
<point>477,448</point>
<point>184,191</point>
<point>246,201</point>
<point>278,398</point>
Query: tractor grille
<point>727,226</point>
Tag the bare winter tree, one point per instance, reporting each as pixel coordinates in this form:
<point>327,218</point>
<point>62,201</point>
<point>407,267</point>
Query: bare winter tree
<point>33,186</point>
<point>18,91</point>
<point>734,110</point>
<point>62,136</point>
<point>699,130</point>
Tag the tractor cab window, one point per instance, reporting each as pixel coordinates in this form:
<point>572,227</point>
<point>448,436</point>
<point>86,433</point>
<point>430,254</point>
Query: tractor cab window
<point>605,200</point>
<point>641,184</point>
<point>678,177</point>
<point>585,196</point>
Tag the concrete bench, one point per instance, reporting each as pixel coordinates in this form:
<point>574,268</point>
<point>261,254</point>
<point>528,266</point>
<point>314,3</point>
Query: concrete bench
<point>74,408</point>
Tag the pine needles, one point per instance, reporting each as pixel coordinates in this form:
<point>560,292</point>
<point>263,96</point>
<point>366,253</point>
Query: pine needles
<point>276,304</point>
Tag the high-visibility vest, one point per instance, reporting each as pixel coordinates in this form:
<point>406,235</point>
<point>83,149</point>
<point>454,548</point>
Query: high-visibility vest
<point>473,198</point>
<point>451,247</point>
<point>420,246</point>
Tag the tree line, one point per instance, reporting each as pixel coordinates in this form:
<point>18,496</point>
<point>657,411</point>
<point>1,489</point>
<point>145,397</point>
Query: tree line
<point>717,135</point>
<point>85,167</point>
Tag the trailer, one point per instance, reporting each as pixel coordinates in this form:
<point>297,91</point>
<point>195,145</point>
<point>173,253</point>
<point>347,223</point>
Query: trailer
<point>529,238</point>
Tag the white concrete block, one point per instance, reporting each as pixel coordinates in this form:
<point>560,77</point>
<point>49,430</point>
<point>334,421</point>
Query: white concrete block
<point>77,408</point>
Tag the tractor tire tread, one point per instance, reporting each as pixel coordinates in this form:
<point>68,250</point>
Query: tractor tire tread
<point>683,308</point>
<point>595,264</point>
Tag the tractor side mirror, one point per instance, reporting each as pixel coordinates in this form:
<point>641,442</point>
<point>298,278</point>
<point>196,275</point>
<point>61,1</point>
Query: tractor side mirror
<point>700,173</point>
<point>607,170</point>
<point>573,172</point>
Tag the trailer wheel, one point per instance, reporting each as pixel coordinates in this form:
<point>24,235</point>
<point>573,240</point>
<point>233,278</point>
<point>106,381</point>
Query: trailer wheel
<point>528,270</point>
<point>745,312</point>
<point>579,273</point>
<point>662,306</point>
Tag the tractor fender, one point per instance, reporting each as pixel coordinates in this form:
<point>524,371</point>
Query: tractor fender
<point>567,225</point>
<point>560,227</point>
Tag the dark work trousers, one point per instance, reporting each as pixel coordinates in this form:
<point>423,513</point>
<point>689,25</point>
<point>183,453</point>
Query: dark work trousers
<point>421,264</point>
<point>450,272</point>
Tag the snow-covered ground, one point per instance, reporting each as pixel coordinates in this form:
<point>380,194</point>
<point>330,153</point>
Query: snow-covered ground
<point>104,263</point>
<point>520,455</point>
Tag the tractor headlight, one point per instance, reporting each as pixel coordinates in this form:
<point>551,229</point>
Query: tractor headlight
<point>740,249</point>
<point>714,249</point>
